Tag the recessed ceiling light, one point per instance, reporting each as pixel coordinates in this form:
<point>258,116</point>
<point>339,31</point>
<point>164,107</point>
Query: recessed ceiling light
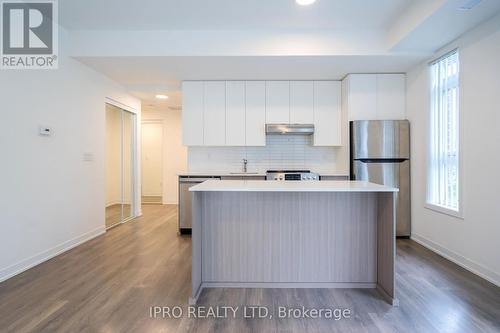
<point>305,2</point>
<point>162,96</point>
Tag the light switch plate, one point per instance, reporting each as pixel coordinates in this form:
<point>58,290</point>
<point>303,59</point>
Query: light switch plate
<point>88,157</point>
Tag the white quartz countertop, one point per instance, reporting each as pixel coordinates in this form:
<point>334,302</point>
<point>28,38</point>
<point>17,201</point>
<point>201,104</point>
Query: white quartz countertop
<point>289,186</point>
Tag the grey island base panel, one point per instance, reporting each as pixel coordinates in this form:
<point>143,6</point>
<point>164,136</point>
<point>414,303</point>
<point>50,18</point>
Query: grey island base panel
<point>294,240</point>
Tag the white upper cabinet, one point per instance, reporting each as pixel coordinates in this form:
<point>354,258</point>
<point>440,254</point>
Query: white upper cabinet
<point>235,113</point>
<point>214,115</point>
<point>391,99</point>
<point>277,102</point>
<point>192,113</point>
<point>362,96</point>
<point>255,100</point>
<point>375,96</point>
<point>328,121</point>
<point>301,102</point>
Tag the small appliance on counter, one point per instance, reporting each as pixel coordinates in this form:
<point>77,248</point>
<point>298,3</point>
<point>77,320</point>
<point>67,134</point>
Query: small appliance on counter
<point>380,153</point>
<point>296,175</point>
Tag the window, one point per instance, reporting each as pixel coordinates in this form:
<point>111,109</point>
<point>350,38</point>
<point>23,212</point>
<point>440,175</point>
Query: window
<point>443,183</point>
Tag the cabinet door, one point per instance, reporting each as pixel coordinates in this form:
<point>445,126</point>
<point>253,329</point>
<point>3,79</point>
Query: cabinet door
<point>214,119</point>
<point>255,100</point>
<point>192,113</point>
<point>235,113</point>
<point>277,102</point>
<point>327,113</point>
<point>362,98</point>
<point>391,96</point>
<point>301,102</point>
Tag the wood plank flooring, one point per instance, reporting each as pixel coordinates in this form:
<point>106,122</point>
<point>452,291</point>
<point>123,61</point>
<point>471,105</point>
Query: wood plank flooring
<point>108,285</point>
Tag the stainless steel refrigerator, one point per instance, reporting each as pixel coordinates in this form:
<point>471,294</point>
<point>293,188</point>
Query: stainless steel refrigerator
<point>380,153</point>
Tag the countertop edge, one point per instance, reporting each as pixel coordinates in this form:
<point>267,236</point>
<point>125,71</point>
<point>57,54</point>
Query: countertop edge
<point>281,186</point>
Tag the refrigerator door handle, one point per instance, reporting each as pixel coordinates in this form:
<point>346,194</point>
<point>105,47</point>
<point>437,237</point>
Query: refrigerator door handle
<point>381,160</point>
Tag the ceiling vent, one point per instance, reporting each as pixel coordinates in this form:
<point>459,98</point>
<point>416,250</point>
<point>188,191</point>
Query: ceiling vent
<point>469,4</point>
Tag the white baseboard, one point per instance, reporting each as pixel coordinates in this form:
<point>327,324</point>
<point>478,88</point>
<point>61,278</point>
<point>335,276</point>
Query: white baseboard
<point>113,203</point>
<point>458,259</point>
<point>23,265</point>
<point>337,285</point>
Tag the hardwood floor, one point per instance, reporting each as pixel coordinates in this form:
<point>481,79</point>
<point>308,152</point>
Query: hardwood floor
<point>109,284</point>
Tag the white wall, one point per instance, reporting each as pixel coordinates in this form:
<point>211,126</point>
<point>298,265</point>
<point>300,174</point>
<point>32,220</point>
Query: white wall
<point>50,198</point>
<point>174,153</point>
<point>280,152</point>
<point>472,241</point>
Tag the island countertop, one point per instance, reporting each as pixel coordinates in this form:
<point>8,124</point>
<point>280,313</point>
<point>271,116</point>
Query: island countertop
<point>289,186</point>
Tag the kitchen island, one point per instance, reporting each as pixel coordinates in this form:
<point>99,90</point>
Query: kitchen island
<point>307,234</point>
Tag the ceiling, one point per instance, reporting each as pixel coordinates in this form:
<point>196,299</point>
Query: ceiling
<point>227,14</point>
<point>150,46</point>
<point>147,76</point>
<point>165,71</point>
<point>150,103</point>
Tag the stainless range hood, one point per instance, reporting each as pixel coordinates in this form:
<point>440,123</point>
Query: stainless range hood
<point>291,129</point>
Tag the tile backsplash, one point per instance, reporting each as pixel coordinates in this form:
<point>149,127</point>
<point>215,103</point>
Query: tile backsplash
<point>280,152</point>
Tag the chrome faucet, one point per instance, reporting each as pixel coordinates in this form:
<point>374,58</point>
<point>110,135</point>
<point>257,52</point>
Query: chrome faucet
<point>245,162</point>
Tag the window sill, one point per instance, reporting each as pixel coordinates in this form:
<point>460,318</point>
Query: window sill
<point>450,212</point>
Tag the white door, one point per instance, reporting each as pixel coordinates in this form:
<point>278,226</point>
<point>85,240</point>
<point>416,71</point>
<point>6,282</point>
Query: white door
<point>192,113</point>
<point>235,113</point>
<point>152,168</point>
<point>214,115</point>
<point>327,113</point>
<point>301,102</point>
<point>255,103</point>
<point>277,102</point>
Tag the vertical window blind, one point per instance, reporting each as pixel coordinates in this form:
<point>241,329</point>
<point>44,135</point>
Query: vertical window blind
<point>443,162</point>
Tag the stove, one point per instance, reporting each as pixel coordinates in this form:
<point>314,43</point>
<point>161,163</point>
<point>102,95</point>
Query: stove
<point>297,175</point>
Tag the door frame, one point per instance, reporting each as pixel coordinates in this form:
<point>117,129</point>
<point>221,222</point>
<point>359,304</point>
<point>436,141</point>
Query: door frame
<point>135,153</point>
<point>160,122</point>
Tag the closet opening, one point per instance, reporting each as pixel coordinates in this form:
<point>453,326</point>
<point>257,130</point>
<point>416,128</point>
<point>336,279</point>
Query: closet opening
<point>120,173</point>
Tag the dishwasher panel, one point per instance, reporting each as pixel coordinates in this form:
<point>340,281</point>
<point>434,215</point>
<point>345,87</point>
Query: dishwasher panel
<point>185,201</point>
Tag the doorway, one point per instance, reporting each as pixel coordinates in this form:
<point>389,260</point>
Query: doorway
<point>152,162</point>
<point>120,144</point>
